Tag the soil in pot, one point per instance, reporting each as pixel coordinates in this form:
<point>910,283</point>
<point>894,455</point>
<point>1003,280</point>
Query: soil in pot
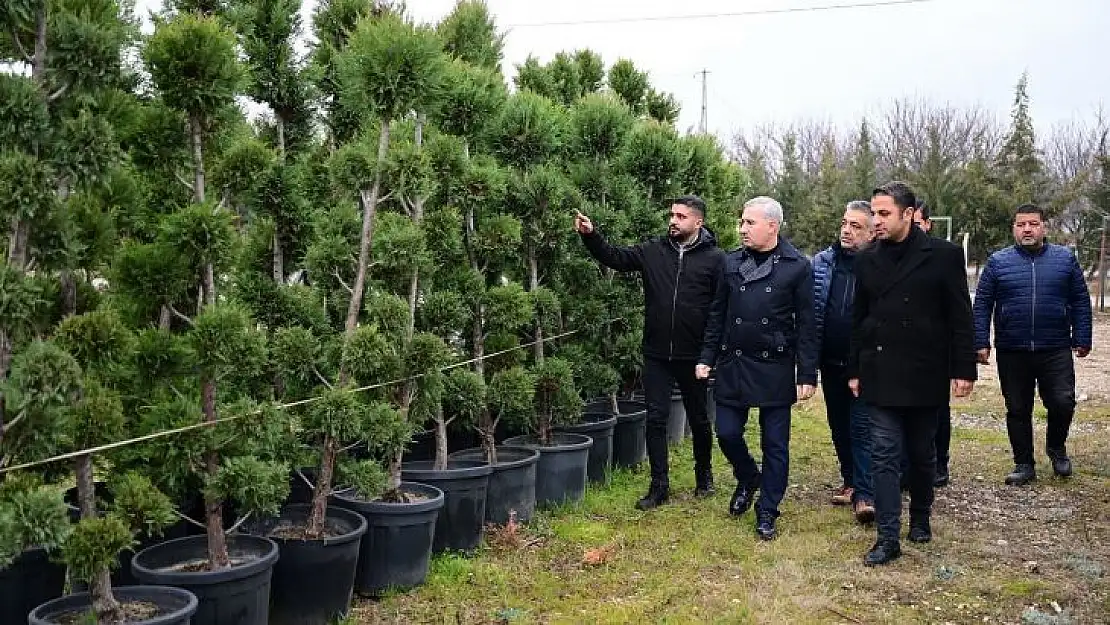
<point>313,579</point>
<point>397,548</point>
<point>512,485</point>
<point>238,595</point>
<point>598,426</point>
<point>142,605</point>
<point>561,472</point>
<point>31,580</point>
<point>464,484</point>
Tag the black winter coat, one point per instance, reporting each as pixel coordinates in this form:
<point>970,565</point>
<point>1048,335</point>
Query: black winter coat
<point>678,288</point>
<point>911,330</point>
<point>761,329</point>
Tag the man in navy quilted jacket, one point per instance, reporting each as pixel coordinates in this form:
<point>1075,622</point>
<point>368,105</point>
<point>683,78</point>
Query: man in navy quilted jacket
<point>1042,313</point>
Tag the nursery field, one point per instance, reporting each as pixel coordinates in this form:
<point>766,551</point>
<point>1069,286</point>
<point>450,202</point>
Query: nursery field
<point>997,553</point>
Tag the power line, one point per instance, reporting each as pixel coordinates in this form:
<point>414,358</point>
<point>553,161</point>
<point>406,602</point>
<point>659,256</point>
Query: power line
<point>703,16</point>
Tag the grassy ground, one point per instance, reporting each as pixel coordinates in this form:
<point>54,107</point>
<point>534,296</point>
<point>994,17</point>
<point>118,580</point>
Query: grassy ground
<point>996,550</point>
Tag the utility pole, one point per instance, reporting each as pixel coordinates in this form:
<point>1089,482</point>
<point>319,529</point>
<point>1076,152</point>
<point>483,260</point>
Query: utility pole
<point>1102,266</point>
<point>703,124</point>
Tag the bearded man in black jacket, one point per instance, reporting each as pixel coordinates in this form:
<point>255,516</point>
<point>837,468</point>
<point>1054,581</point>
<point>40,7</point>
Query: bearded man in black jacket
<point>680,273</point>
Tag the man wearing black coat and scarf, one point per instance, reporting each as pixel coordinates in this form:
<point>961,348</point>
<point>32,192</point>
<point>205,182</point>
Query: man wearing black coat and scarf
<point>762,338</point>
<point>912,344</point>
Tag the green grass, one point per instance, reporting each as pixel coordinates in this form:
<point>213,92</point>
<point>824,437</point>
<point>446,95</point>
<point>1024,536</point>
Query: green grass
<point>689,562</point>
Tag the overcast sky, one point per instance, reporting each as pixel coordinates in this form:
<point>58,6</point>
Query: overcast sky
<point>834,65</point>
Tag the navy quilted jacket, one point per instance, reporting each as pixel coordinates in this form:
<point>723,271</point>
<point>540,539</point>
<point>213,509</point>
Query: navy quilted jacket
<point>1037,301</point>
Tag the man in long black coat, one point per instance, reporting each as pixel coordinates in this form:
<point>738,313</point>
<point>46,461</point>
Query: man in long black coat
<point>912,339</point>
<point>680,273</point>
<point>762,338</point>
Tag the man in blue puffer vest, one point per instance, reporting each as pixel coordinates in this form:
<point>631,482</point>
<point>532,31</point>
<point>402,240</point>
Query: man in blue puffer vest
<point>834,292</point>
<point>1038,298</point>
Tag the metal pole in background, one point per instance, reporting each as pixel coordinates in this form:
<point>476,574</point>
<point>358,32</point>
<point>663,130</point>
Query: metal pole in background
<point>1102,266</point>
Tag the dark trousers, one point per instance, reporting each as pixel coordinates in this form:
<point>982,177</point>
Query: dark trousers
<point>774,440</point>
<point>850,424</point>
<point>659,375</point>
<point>892,429</point>
<point>1053,372</point>
<point>943,441</point>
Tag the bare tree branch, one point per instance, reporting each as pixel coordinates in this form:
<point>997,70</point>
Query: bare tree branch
<point>19,46</point>
<point>342,283</point>
<point>57,93</point>
<point>321,377</point>
<point>179,315</point>
<point>182,180</point>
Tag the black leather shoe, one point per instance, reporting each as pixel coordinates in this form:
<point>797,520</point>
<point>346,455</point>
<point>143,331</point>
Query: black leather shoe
<point>657,495</point>
<point>765,528</point>
<point>743,496</point>
<point>1061,464</point>
<point>704,484</point>
<point>1021,475</point>
<point>941,480</point>
<point>920,532</point>
<point>883,552</point>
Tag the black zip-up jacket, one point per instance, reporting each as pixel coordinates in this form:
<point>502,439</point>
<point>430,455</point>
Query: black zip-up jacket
<point>679,285</point>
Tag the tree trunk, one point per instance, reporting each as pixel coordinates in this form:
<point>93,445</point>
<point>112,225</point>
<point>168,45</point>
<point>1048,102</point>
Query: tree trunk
<point>105,605</point>
<point>209,284</point>
<point>488,429</point>
<point>417,218</point>
<point>198,158</point>
<point>323,489</point>
<point>69,292</point>
<point>613,403</point>
<point>441,441</point>
<point>395,473</point>
<point>279,123</point>
<point>213,508</point>
<point>38,62</point>
<point>17,243</point>
<point>533,284</point>
<point>5,360</point>
<point>164,318</point>
<point>414,293</point>
<point>279,259</point>
<point>370,206</point>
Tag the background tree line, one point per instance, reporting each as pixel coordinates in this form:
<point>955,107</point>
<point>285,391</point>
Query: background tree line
<point>966,162</point>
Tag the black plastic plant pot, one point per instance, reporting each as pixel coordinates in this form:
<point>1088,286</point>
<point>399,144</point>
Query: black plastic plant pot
<point>512,485</point>
<point>630,435</point>
<point>237,595</point>
<point>561,472</point>
<point>598,426</point>
<point>397,548</point>
<point>314,579</point>
<point>464,484</point>
<point>31,580</point>
<point>176,606</point>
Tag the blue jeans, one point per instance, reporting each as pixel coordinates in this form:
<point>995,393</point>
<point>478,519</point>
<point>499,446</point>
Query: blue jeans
<point>774,430</point>
<point>850,424</point>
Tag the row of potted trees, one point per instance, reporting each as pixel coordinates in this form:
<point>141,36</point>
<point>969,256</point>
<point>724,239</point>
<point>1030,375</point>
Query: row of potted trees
<point>291,294</point>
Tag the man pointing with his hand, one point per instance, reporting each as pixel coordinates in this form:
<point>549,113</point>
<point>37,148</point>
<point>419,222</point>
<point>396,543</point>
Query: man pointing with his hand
<point>680,273</point>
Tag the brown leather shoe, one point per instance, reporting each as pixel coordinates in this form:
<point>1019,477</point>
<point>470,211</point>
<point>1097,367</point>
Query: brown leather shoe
<point>865,511</point>
<point>842,496</point>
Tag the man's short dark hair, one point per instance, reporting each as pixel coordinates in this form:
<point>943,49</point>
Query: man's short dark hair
<point>1029,209</point>
<point>898,191</point>
<point>691,201</point>
<point>923,208</point>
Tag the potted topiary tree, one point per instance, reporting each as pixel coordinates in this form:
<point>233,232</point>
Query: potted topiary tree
<point>561,473</point>
<point>512,487</point>
<point>464,483</point>
<point>388,68</point>
<point>192,60</point>
<point>33,525</point>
